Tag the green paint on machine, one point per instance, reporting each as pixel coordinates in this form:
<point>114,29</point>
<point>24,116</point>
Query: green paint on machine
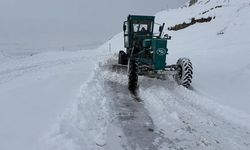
<point>159,47</point>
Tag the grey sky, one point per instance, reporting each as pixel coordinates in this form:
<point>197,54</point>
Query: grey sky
<point>69,23</point>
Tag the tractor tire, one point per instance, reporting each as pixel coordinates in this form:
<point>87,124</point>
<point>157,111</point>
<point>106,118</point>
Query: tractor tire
<point>122,58</point>
<point>185,75</point>
<point>132,75</point>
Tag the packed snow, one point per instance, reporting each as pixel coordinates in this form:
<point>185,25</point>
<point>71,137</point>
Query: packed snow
<point>77,100</point>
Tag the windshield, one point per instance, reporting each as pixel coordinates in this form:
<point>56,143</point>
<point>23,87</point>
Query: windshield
<point>140,27</point>
<point>143,26</point>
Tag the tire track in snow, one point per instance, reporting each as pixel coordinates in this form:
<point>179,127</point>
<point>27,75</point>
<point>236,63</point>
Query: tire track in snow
<point>127,113</point>
<point>139,131</point>
<point>132,117</point>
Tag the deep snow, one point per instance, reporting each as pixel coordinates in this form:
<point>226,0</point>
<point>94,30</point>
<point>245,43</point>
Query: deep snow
<point>35,90</point>
<point>74,100</point>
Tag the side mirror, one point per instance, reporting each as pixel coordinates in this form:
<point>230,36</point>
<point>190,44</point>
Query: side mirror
<point>167,37</point>
<point>124,27</point>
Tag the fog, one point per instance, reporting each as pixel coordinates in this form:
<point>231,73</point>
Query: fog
<point>68,24</point>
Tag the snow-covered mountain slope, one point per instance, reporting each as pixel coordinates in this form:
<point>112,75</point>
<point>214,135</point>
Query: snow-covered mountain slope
<point>219,49</point>
<point>76,100</point>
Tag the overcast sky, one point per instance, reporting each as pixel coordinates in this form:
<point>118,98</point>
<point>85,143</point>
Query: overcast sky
<point>69,23</point>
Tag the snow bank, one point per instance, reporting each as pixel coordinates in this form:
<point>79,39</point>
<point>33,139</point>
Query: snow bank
<point>35,90</point>
<point>84,125</point>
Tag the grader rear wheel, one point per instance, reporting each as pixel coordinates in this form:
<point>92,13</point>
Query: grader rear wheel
<point>185,75</point>
<point>122,59</point>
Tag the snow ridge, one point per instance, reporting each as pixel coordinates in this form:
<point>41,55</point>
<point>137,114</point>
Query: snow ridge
<point>84,125</point>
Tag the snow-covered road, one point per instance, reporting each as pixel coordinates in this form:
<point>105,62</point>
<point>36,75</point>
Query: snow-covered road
<point>172,117</point>
<point>167,116</point>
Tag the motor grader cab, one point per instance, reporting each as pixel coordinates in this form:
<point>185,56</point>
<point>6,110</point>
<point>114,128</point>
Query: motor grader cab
<point>137,28</point>
<point>146,53</point>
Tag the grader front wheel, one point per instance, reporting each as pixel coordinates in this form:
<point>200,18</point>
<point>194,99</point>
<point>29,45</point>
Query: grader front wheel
<point>132,75</point>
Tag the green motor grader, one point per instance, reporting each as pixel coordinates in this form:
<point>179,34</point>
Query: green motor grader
<point>146,53</point>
